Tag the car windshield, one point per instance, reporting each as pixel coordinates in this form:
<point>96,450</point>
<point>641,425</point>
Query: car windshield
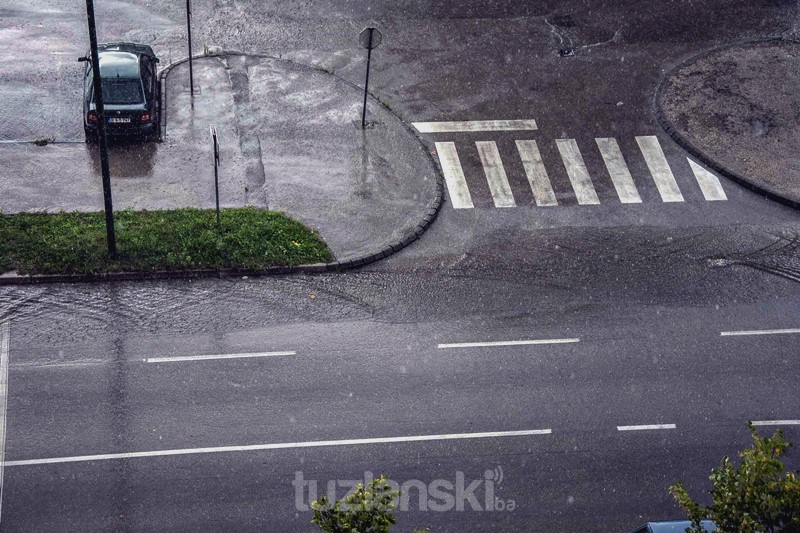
<point>122,91</point>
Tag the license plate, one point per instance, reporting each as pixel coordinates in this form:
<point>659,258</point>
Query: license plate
<point>119,120</point>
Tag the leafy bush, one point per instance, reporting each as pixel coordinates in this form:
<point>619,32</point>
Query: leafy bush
<point>757,497</point>
<point>365,510</point>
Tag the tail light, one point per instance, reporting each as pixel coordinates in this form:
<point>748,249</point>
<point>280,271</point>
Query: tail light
<point>145,118</point>
<point>91,117</point>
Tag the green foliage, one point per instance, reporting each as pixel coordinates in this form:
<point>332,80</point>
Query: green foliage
<point>74,243</point>
<point>757,497</point>
<point>365,510</point>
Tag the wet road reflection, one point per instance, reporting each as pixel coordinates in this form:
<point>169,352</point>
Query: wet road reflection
<point>126,158</point>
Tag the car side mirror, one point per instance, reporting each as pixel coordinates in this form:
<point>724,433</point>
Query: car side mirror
<point>83,59</point>
<point>158,60</point>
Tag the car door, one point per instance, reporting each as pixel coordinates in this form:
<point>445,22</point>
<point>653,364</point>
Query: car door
<point>87,88</point>
<point>150,81</point>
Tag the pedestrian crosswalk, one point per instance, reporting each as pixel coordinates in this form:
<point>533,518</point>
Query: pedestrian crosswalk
<point>653,171</point>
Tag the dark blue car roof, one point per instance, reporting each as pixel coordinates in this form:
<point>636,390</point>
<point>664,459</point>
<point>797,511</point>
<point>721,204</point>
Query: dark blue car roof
<point>678,526</point>
<point>133,48</point>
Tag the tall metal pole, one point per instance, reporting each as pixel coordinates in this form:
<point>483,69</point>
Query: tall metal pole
<point>366,83</point>
<point>101,127</point>
<point>189,31</point>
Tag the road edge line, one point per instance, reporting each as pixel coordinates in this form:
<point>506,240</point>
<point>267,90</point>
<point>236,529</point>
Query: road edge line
<point>5,334</point>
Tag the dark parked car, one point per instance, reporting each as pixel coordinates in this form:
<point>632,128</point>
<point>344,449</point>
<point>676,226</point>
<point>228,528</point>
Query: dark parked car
<point>131,92</point>
<point>673,526</point>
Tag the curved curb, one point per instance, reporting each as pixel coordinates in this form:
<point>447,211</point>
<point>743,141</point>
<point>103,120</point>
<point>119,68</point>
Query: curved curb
<point>658,110</point>
<point>415,232</point>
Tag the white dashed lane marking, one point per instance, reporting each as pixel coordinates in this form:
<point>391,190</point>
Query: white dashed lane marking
<point>776,422</point>
<point>180,358</point>
<point>508,343</point>
<point>646,427</point>
<point>281,446</point>
<point>759,332</point>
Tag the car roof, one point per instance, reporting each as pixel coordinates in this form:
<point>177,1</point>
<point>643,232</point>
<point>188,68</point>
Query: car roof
<point>133,48</point>
<point>677,526</point>
<point>118,64</point>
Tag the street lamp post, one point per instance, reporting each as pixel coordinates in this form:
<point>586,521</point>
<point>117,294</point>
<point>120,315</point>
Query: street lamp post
<point>101,128</point>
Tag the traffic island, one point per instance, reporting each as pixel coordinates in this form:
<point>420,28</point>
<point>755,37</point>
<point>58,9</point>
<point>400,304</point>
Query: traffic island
<point>186,241</point>
<point>298,147</point>
<point>736,108</point>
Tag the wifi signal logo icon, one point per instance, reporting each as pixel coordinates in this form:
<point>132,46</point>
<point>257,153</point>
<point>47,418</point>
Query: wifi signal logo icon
<point>496,475</point>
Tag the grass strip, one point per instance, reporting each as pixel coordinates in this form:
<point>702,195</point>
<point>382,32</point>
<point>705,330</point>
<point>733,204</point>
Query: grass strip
<point>179,239</point>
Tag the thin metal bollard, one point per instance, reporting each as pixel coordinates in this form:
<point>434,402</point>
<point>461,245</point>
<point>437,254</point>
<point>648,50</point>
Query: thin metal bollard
<point>213,131</point>
<point>189,35</point>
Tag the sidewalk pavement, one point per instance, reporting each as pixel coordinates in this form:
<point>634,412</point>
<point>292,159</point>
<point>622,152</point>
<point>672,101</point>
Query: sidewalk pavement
<point>737,107</point>
<point>290,140</point>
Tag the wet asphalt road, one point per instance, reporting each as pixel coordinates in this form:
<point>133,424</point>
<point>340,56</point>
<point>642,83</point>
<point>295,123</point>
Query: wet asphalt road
<point>645,289</point>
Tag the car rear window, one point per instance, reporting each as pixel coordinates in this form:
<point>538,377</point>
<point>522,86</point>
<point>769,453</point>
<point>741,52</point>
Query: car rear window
<point>121,91</point>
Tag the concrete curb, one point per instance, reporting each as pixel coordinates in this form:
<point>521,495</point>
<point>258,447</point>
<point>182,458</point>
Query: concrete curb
<point>414,232</point>
<point>658,110</point>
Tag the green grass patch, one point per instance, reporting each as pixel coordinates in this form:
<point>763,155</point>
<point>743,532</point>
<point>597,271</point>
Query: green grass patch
<point>75,243</point>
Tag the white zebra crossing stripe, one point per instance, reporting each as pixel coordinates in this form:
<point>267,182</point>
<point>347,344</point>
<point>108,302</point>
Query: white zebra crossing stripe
<point>474,125</point>
<point>708,182</point>
<point>495,174</point>
<point>618,170</point>
<point>454,175</point>
<point>537,175</point>
<point>577,172</point>
<point>659,169</point>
